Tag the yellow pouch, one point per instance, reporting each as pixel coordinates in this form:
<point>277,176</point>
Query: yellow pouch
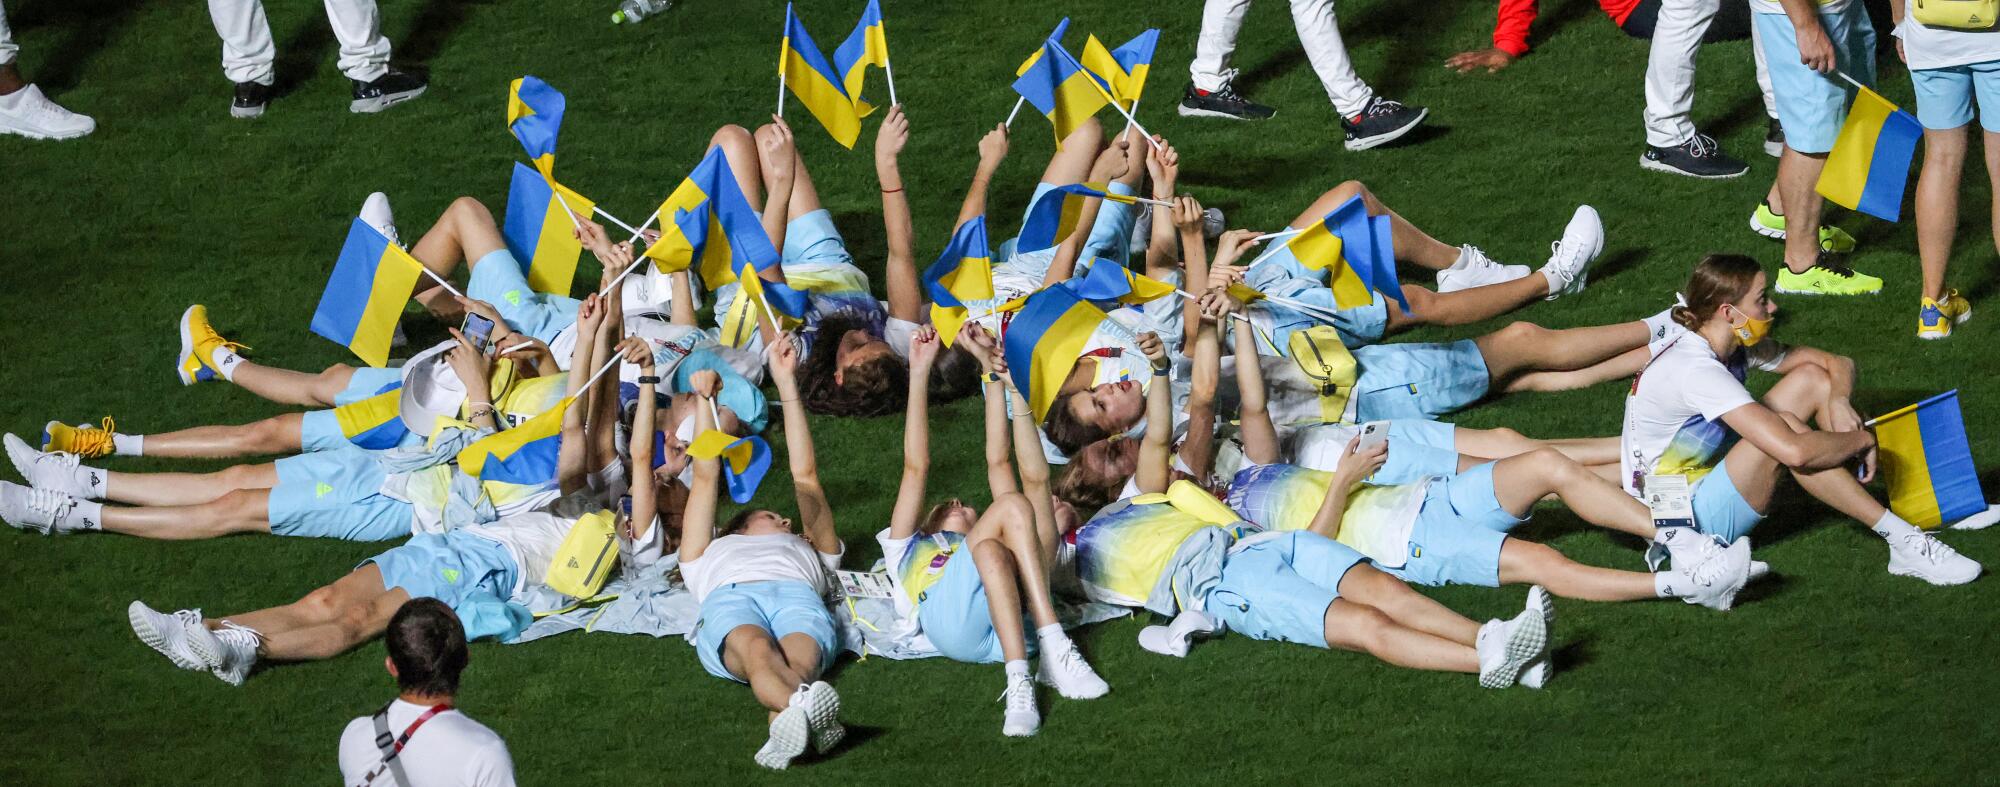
<point>584,562</point>
<point>1959,14</point>
<point>1326,362</point>
<point>1189,498</point>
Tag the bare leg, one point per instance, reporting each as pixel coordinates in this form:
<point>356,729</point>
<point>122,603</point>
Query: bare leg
<point>1364,584</point>
<point>241,511</point>
<point>1358,627</point>
<point>998,573</point>
<point>1992,175</point>
<point>285,386</point>
<point>1526,562</point>
<point>805,199</point>
<point>1012,521</point>
<point>1619,367</point>
<point>1470,305</point>
<point>1523,346</point>
<point>275,435</point>
<point>465,233</point>
<point>1071,163</point>
<point>1937,202</point>
<point>323,605</point>
<point>740,150</point>
<point>356,610</point>
<point>803,655</point>
<point>1797,172</point>
<point>186,489</point>
<point>1412,245</point>
<point>1500,443</point>
<point>1521,481</point>
<point>748,652</point>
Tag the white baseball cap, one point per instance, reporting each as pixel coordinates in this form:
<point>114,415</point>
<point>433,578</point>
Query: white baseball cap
<point>430,389</point>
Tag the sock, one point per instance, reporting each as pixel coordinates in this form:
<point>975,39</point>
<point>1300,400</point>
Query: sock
<point>98,482</point>
<point>1668,535</point>
<point>225,361</point>
<point>1052,635</point>
<point>1890,526</point>
<point>1017,668</point>
<point>128,444</point>
<point>90,513</point>
<point>1663,584</point>
<point>1464,259</point>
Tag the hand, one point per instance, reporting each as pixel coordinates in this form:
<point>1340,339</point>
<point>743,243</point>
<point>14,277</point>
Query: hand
<point>1154,350</point>
<point>1899,51</point>
<point>1188,216</point>
<point>783,357</point>
<point>616,258</point>
<point>592,235</point>
<point>924,348</point>
<point>893,135</point>
<point>1164,165</point>
<point>707,384</point>
<point>1217,304</point>
<point>1841,417</point>
<point>1112,162</point>
<point>531,350</point>
<point>776,150</point>
<point>1232,245</point>
<point>1356,466</point>
<point>1815,51</point>
<point>484,309</point>
<point>590,314</point>
<point>978,341</point>
<point>993,148</point>
<point>1491,59</point>
<point>472,366</point>
<point>637,352</point>
<point>1221,277</point>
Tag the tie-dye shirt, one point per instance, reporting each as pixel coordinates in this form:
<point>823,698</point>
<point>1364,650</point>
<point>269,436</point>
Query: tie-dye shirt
<point>1673,416</point>
<point>1122,553</point>
<point>835,290</point>
<point>917,562</point>
<point>1377,522</point>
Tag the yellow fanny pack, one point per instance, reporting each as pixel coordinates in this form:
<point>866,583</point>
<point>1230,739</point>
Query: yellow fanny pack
<point>1327,365</point>
<point>1189,498</point>
<point>1959,14</point>
<point>584,562</point>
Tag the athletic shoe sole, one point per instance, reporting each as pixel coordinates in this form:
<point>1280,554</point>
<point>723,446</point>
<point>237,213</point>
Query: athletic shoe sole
<point>1646,163</point>
<point>1789,291</point>
<point>1922,333</point>
<point>1759,228</point>
<point>20,467</point>
<point>1935,580</point>
<point>1528,641</point>
<point>368,106</point>
<point>22,131</point>
<point>187,349</point>
<point>788,739</point>
<point>141,618</point>
<point>1389,136</point>
<point>823,717</point>
<point>1192,112</point>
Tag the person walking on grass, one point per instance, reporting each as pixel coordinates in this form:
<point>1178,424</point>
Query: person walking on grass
<point>24,111</point>
<point>1948,68</point>
<point>248,55</point>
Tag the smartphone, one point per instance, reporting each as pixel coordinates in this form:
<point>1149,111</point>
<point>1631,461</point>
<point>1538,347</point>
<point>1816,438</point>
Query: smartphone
<point>1373,433</point>
<point>478,330</point>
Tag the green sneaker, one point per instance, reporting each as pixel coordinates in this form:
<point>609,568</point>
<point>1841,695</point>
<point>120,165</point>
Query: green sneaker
<point>1829,276</point>
<point>1771,225</point>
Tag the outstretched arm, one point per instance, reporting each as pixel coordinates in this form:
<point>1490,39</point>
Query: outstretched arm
<point>999,463</point>
<point>1156,449</point>
<point>815,516</point>
<point>645,422</point>
<point>1198,448</point>
<point>903,519</point>
<point>1164,164</point>
<point>698,519</point>
<point>1258,433</point>
<point>780,160</point>
<point>992,151</point>
<point>1187,217</point>
<point>906,300</point>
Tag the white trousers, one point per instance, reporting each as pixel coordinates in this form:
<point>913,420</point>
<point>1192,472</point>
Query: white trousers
<point>8,49</point>
<point>247,49</point>
<point>1670,70</point>
<point>1318,30</point>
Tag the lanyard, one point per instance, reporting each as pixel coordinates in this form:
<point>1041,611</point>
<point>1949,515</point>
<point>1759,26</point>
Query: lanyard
<point>404,739</point>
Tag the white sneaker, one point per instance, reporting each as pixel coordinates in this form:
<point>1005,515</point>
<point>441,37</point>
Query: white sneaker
<point>1541,602</point>
<point>1919,554</point>
<point>1979,521</point>
<point>1507,647</point>
<point>375,213</point>
<point>1569,259</point>
<point>1474,269</point>
<point>1758,569</point>
<point>1072,677</point>
<point>52,470</point>
<point>235,651</point>
<point>1023,719</point>
<point>168,634</point>
<point>788,738</point>
<point>44,511</point>
<point>822,706</point>
<point>1714,582</point>
<point>30,114</point>
<point>1680,547</point>
<point>1173,640</point>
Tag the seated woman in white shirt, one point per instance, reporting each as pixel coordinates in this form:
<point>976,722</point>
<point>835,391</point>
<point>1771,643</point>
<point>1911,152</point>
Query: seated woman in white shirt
<point>762,587</point>
<point>426,655</point>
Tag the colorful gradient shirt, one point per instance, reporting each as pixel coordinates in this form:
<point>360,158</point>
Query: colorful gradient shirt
<point>1377,522</point>
<point>1673,416</point>
<point>917,562</point>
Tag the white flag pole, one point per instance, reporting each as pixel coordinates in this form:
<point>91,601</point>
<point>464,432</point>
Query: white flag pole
<point>608,366</point>
<point>784,48</point>
<point>887,69</point>
<point>635,263</point>
<point>1017,110</point>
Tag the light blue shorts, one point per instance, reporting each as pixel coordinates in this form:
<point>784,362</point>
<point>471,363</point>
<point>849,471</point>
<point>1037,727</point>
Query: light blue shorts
<point>1418,381</point>
<point>497,279</point>
<point>1945,95</point>
<point>1418,449</point>
<point>780,607</point>
<point>1278,587</point>
<point>1811,105</point>
<point>319,430</point>
<point>954,613</point>
<point>1459,532</point>
<point>336,494</point>
<point>1110,235</point>
<point>1281,274</point>
<point>1719,509</point>
<point>449,567</point>
<point>813,238</point>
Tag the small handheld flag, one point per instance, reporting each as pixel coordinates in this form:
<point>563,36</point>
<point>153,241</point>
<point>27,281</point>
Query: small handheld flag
<point>1870,162</point>
<point>707,219</point>
<point>525,454</point>
<point>867,46</point>
<point>534,114</point>
<point>538,230</point>
<point>1123,70</point>
<point>1055,214</point>
<point>1059,87</point>
<point>804,69</point>
<point>1044,340</point>
<point>374,423</point>
<point>964,272</point>
<point>1359,251</point>
<point>365,295</point>
<point>1105,280</point>
<point>1928,462</point>
<point>745,460</point>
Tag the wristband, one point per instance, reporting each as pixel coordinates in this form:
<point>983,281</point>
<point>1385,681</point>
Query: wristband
<point>993,377</point>
<point>892,191</point>
<point>648,379</point>
<point>1161,371</point>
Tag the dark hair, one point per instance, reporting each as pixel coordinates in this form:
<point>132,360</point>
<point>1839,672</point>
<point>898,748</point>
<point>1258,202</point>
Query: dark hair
<point>736,523</point>
<point>1717,279</point>
<point>1069,433</point>
<point>875,387</point>
<point>955,375</point>
<point>427,645</point>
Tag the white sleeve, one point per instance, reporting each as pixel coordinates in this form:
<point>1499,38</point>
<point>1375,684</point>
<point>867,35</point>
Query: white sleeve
<point>491,766</point>
<point>893,548</point>
<point>358,754</point>
<point>1767,355</point>
<point>899,333</point>
<point>831,562</point>
<point>1711,389</point>
<point>643,552</point>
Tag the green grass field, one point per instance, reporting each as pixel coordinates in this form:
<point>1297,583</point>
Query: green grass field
<point>1830,671</point>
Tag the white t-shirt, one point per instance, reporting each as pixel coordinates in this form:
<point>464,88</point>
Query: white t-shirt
<point>898,333</point>
<point>532,537</point>
<point>1943,47</point>
<point>1673,417</point>
<point>450,750</point>
<point>775,557</point>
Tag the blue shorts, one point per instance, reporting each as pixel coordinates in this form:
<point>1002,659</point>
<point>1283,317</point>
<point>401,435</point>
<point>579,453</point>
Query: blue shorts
<point>497,279</point>
<point>1278,586</point>
<point>1459,532</point>
<point>1280,273</point>
<point>1719,509</point>
<point>1418,381</point>
<point>1110,235</point>
<point>1945,95</point>
<point>449,567</point>
<point>336,494</point>
<point>1811,105</point>
<point>781,607</point>
<point>813,238</point>
<point>1418,449</point>
<point>954,613</point>
<point>319,430</point>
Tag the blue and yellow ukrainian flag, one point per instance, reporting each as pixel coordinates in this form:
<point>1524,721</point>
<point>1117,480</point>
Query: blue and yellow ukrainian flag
<point>708,220</point>
<point>816,83</point>
<point>867,46</point>
<point>538,230</point>
<point>1928,461</point>
<point>375,423</point>
<point>964,272</point>
<point>1054,216</point>
<point>525,454</point>
<point>1122,70</point>
<point>1105,280</point>
<point>745,314</point>
<point>534,114</point>
<point>1059,87</point>
<point>745,460</point>
<point>1043,341</point>
<point>371,282</point>
<point>1357,249</point>
<point>1870,162</point>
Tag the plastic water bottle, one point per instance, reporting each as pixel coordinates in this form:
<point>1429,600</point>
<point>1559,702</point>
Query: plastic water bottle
<point>631,12</point>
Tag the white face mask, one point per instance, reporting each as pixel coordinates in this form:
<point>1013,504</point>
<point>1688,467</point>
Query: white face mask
<point>685,434</point>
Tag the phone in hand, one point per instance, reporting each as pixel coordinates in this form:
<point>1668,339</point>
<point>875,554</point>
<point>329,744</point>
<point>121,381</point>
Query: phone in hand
<point>1373,433</point>
<point>478,330</point>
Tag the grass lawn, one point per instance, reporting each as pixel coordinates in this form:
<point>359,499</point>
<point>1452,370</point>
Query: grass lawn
<point>1830,671</point>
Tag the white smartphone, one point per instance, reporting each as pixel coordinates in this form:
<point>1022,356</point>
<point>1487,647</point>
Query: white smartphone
<point>1373,433</point>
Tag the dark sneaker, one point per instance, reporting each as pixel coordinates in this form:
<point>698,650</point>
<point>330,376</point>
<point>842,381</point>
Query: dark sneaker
<point>1699,157</point>
<point>1222,103</point>
<point>393,87</point>
<point>1774,139</point>
<point>250,101</point>
<point>1381,122</point>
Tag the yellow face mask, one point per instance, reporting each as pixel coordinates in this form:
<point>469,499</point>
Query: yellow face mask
<point>1751,331</point>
